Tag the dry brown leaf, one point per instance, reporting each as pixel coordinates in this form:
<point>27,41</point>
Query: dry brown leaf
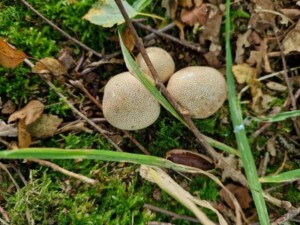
<point>291,13</point>
<point>211,31</point>
<point>276,86</point>
<point>189,158</point>
<point>241,194</point>
<point>49,65</point>
<point>9,56</point>
<point>212,59</point>
<point>8,130</point>
<point>31,112</point>
<point>261,21</point>
<point>170,6</point>
<point>180,26</point>
<point>243,73</point>
<point>291,42</point>
<point>197,15</point>
<point>45,126</point>
<point>24,138</point>
<point>241,43</point>
<point>9,107</point>
<point>128,39</point>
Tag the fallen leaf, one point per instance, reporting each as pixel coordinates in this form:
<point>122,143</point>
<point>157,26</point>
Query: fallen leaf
<point>260,20</point>
<point>45,126</point>
<point>291,13</point>
<point>212,59</point>
<point>171,7</point>
<point>291,42</point>
<point>107,14</point>
<point>241,43</point>
<point>8,108</point>
<point>186,3</point>
<point>24,138</point>
<point>128,39</point>
<point>271,146</point>
<point>189,158</point>
<point>8,130</point>
<point>197,15</point>
<point>211,30</point>
<point>31,112</point>
<point>276,86</point>
<point>243,73</point>
<point>9,56</point>
<point>66,59</point>
<point>241,194</point>
<point>49,65</point>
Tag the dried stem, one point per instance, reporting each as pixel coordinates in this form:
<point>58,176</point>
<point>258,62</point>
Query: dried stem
<point>170,37</point>
<point>63,171</point>
<point>60,30</point>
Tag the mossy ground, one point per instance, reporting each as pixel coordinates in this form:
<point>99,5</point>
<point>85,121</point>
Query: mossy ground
<point>49,197</point>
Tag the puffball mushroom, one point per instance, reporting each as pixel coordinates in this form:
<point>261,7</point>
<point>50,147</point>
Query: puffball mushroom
<point>127,104</point>
<point>161,60</point>
<point>201,90</point>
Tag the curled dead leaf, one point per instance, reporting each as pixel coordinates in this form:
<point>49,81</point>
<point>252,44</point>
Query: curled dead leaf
<point>24,137</point>
<point>30,113</point>
<point>8,130</point>
<point>128,39</point>
<point>9,56</point>
<point>243,73</point>
<point>241,194</point>
<point>291,42</point>
<point>189,158</point>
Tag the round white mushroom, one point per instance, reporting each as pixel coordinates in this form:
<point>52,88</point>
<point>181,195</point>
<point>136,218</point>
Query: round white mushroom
<point>127,104</point>
<point>161,60</point>
<point>201,90</point>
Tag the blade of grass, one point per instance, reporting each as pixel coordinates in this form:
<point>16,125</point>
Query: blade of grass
<point>104,155</point>
<point>289,176</point>
<point>133,68</point>
<point>240,133</point>
<point>278,117</point>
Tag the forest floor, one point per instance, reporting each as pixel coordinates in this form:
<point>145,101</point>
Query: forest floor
<point>54,64</point>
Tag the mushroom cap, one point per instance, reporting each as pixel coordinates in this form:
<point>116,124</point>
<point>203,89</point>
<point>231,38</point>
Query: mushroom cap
<point>127,104</point>
<point>200,89</point>
<point>161,60</point>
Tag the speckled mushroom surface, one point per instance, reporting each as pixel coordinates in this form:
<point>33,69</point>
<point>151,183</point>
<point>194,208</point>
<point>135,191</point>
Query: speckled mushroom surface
<point>161,60</point>
<point>201,90</point>
<point>127,104</point>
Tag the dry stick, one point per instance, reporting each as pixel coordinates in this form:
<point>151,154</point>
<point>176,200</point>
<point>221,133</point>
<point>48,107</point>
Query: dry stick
<point>169,213</point>
<point>100,130</point>
<point>79,85</point>
<point>60,30</point>
<point>286,78</point>
<point>170,37</point>
<point>63,171</point>
<point>292,213</point>
<point>235,175</point>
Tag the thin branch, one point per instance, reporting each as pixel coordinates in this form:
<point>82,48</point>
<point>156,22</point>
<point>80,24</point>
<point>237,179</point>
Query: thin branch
<point>170,37</point>
<point>60,30</point>
<point>63,171</point>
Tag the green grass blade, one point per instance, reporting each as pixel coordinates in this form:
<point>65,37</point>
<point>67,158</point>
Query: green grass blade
<point>278,117</point>
<point>289,176</point>
<point>240,133</point>
<point>103,155</point>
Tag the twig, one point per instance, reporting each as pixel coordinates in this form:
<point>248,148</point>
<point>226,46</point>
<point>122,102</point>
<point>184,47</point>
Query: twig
<point>60,30</point>
<point>63,171</point>
<point>10,176</point>
<point>291,213</point>
<point>286,78</point>
<point>169,213</point>
<point>79,85</point>
<point>236,175</point>
<point>76,111</point>
<point>170,37</point>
